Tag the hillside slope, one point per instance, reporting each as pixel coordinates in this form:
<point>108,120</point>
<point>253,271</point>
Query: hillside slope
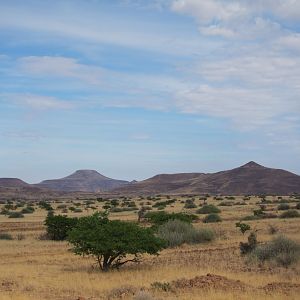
<point>250,178</point>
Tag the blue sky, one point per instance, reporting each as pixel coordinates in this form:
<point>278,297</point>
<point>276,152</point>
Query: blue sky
<point>134,88</point>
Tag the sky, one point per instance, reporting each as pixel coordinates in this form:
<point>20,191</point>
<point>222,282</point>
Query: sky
<point>134,88</point>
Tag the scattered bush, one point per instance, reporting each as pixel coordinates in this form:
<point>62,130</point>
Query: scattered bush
<point>290,214</point>
<point>243,227</point>
<point>27,210</point>
<point>248,247</point>
<point>298,205</point>
<point>45,205</point>
<point>190,205</point>
<point>161,217</point>
<point>6,236</point>
<point>283,206</point>
<point>208,209</point>
<point>226,203</point>
<point>176,233</point>
<point>212,218</point>
<point>272,229</point>
<point>16,214</point>
<point>283,251</point>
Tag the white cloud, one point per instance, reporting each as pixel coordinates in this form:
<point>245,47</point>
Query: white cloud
<point>219,17</point>
<point>77,23</point>
<point>60,67</point>
<point>39,102</point>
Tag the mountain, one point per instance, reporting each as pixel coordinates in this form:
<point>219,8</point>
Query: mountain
<point>251,178</point>
<point>83,181</point>
<point>13,183</point>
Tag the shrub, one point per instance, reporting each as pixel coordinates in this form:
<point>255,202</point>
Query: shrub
<point>290,214</point>
<point>283,251</point>
<point>212,218</point>
<point>45,205</point>
<point>298,205</point>
<point>272,229</point>
<point>243,227</point>
<point>161,217</point>
<point>27,210</point>
<point>6,236</point>
<point>16,215</point>
<point>248,247</point>
<point>226,203</point>
<point>176,233</point>
<point>208,209</point>
<point>283,206</point>
<point>62,206</point>
<point>189,205</point>
<point>58,226</point>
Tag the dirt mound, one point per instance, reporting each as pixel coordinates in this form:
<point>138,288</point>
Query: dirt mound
<point>210,281</point>
<point>282,287</point>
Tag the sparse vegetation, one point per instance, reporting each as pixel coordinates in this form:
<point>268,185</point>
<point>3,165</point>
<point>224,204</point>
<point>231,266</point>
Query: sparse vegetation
<point>177,232</point>
<point>208,209</point>
<point>290,214</point>
<point>6,236</point>
<point>159,218</point>
<point>283,251</point>
<point>212,218</point>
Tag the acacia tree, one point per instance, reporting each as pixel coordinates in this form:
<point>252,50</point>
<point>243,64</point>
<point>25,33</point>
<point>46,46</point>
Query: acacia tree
<point>110,242</point>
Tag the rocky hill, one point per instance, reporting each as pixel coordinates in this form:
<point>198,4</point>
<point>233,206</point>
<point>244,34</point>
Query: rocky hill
<point>250,178</point>
<point>83,181</point>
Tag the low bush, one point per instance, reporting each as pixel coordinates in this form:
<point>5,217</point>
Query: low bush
<point>298,205</point>
<point>161,217</point>
<point>208,209</point>
<point>189,205</point>
<point>226,203</point>
<point>283,206</point>
<point>248,247</point>
<point>16,214</point>
<point>212,218</point>
<point>281,250</point>
<point>27,210</point>
<point>290,214</point>
<point>176,233</point>
<point>6,236</point>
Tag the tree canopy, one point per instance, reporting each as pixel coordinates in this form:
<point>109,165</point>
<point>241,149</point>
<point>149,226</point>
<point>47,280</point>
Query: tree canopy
<point>111,241</point>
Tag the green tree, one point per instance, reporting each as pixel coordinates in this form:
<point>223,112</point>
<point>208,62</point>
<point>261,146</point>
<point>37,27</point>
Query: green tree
<point>111,241</point>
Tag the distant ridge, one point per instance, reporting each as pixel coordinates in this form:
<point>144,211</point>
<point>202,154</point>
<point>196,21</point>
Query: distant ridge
<point>83,181</point>
<point>251,178</point>
<point>13,183</point>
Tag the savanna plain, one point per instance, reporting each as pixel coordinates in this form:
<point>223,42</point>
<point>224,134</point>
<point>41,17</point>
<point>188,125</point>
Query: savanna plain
<point>34,267</point>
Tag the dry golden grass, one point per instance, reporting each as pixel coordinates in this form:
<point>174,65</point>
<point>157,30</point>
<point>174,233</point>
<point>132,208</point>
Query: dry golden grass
<point>38,269</point>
